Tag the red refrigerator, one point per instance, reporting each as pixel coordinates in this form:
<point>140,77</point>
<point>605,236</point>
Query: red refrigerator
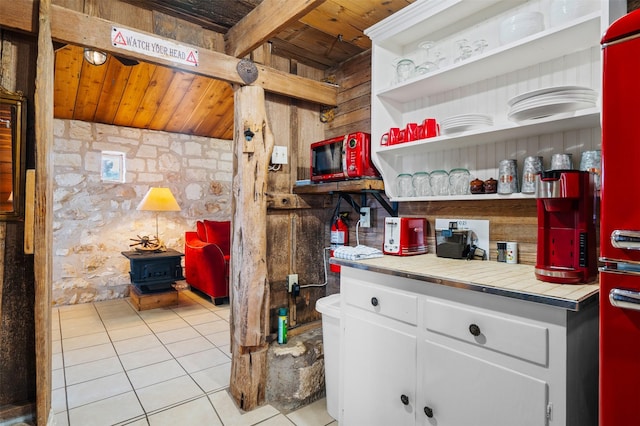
<point>620,225</point>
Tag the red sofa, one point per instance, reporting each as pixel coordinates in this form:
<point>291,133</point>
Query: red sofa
<point>206,259</point>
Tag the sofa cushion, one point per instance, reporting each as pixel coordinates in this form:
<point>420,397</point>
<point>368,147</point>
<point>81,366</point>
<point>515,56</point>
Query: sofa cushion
<point>201,231</point>
<point>219,233</point>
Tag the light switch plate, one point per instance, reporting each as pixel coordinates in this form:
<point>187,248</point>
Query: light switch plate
<point>279,155</point>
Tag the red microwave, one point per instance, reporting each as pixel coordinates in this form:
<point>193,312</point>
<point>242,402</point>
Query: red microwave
<point>342,157</point>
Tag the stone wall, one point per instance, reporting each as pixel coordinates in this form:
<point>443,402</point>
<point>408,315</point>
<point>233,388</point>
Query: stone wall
<point>94,220</point>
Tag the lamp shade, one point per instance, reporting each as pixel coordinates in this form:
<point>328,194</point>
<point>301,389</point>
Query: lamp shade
<point>159,200</point>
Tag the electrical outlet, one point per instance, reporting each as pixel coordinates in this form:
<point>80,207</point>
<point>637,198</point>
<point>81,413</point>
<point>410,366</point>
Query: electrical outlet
<point>279,155</point>
<point>365,217</point>
<point>292,279</point>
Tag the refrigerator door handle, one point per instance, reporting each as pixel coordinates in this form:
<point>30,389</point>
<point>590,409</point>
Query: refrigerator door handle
<point>625,299</point>
<point>625,239</point>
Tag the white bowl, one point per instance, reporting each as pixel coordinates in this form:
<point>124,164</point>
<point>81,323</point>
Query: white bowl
<point>562,11</point>
<point>520,25</point>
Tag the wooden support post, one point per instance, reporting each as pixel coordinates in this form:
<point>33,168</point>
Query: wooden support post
<point>253,144</point>
<point>43,211</point>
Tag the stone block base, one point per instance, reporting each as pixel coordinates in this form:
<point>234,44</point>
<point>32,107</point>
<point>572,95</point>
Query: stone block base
<point>295,374</point>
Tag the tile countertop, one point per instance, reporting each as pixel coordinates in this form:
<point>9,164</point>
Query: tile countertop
<point>491,277</point>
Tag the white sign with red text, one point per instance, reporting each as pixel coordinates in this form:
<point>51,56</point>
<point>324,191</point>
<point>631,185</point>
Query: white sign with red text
<point>153,46</point>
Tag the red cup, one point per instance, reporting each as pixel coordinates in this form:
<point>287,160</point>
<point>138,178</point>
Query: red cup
<point>402,136</point>
<point>411,132</point>
<point>384,140</point>
<point>430,128</point>
<point>394,136</point>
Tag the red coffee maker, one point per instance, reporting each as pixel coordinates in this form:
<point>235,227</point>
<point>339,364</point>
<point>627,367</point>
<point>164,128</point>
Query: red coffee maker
<point>566,227</point>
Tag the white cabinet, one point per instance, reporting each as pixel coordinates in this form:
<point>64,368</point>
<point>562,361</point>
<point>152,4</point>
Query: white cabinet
<point>420,353</point>
<point>459,389</point>
<point>564,53</point>
<point>379,383</point>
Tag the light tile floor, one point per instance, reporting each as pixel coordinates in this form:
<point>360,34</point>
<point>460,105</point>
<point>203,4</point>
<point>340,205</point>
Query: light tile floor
<point>114,365</point>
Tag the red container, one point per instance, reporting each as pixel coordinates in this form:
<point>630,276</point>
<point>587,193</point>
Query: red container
<point>566,250</point>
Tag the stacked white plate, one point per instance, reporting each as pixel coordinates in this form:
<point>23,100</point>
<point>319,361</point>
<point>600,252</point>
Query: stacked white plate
<point>464,122</point>
<point>565,100</point>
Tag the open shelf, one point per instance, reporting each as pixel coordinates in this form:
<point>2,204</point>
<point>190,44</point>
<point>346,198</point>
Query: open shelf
<point>537,48</point>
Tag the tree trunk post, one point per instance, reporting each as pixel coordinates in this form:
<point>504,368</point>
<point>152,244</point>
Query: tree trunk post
<point>253,144</point>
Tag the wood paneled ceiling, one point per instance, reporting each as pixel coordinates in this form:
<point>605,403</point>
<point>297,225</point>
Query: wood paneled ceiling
<point>160,98</point>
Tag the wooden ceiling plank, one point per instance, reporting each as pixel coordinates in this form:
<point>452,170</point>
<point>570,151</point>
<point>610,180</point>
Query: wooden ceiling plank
<point>134,92</point>
<point>221,99</point>
<point>188,104</point>
<point>210,103</point>
<point>66,81</point>
<point>179,85</point>
<point>269,18</point>
<point>114,85</point>
<point>88,94</point>
<point>337,22</point>
<point>153,97</point>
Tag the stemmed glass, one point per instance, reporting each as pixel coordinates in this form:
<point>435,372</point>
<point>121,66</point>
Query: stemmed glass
<point>464,50</point>
<point>428,65</point>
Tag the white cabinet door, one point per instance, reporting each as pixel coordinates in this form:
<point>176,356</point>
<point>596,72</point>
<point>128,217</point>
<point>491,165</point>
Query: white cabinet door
<point>462,390</point>
<point>379,383</point>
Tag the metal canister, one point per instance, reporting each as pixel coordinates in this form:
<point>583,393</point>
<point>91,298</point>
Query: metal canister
<point>532,166</point>
<point>507,177</point>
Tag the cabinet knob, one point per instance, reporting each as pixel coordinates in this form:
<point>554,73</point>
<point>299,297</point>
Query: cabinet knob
<point>428,412</point>
<point>474,330</point>
<point>374,301</point>
<point>404,399</point>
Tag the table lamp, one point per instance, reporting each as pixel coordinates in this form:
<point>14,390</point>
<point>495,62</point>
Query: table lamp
<point>159,200</point>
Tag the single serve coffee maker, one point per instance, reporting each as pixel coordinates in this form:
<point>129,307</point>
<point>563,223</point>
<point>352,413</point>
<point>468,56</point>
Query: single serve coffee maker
<point>566,228</point>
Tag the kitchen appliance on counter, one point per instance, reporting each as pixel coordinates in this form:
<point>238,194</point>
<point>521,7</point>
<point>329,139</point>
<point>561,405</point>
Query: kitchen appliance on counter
<point>566,252</point>
<point>620,226</point>
<point>453,243</point>
<point>405,236</point>
<point>341,158</point>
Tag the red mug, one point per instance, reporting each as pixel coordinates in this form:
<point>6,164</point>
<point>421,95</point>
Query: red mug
<point>402,136</point>
<point>384,140</point>
<point>411,132</point>
<point>394,136</point>
<point>430,128</point>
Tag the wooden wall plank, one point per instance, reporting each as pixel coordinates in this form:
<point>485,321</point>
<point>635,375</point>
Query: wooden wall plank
<point>43,211</point>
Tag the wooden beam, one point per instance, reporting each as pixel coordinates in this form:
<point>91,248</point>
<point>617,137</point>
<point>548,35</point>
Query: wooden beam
<point>249,284</point>
<point>73,27</point>
<point>266,20</point>
<point>43,249</point>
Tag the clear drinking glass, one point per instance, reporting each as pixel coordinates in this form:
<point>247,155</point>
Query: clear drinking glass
<point>421,184</point>
<point>459,181</point>
<point>439,180</point>
<point>404,182</point>
<point>405,69</point>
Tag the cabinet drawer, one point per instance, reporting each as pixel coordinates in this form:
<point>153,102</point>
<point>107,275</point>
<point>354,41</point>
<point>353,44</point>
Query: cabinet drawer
<point>510,336</point>
<point>387,302</point>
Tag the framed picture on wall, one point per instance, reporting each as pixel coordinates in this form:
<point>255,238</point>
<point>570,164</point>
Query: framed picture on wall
<point>112,166</point>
